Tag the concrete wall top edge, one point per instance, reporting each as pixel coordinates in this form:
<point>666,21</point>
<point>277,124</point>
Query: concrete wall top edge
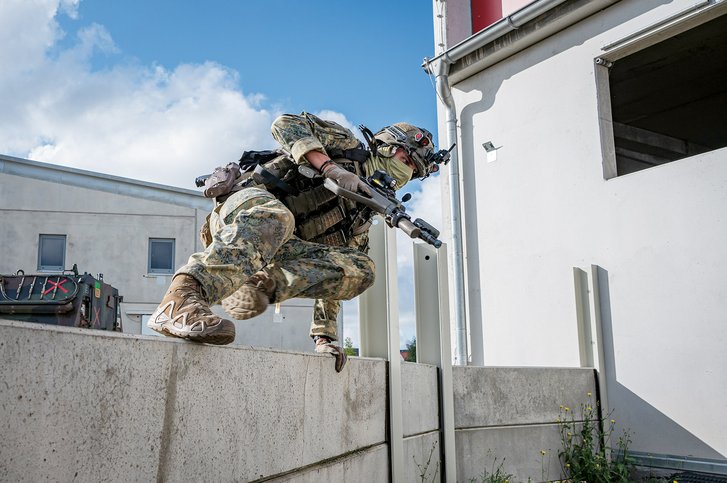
<point>517,368</point>
<point>31,326</point>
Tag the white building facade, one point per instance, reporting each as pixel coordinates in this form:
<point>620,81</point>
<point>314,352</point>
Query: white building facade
<point>592,191</point>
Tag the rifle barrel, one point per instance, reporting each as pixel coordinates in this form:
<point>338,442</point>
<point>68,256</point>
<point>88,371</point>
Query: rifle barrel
<point>409,228</point>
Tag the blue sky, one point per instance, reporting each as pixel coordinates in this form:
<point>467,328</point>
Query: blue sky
<point>164,90</point>
<point>362,59</point>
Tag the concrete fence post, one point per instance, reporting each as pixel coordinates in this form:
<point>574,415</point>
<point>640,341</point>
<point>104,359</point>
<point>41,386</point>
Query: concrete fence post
<point>379,326</point>
<point>434,344</point>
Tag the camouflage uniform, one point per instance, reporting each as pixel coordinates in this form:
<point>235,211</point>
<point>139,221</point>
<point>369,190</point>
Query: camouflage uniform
<point>253,231</point>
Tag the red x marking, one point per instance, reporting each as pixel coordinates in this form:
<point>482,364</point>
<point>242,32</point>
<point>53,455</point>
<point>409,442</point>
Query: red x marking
<point>57,284</point>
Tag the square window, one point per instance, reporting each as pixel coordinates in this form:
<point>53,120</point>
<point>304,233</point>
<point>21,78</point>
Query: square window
<point>161,255</point>
<point>52,253</point>
<point>665,101</point>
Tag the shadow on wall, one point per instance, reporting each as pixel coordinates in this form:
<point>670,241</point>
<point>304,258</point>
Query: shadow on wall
<point>652,430</point>
<point>488,92</point>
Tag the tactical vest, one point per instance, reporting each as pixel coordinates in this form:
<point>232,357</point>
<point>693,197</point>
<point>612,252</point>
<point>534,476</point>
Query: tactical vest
<point>320,215</point>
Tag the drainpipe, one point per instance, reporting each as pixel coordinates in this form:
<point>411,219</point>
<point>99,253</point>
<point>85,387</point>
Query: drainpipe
<point>445,94</point>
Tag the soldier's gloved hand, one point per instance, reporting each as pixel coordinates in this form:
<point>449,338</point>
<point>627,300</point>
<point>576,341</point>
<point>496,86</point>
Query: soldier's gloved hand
<point>344,178</point>
<point>325,345</point>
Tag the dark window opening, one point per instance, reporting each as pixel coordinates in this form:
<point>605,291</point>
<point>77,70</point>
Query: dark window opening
<point>51,252</point>
<point>669,101</point>
<point>161,255</point>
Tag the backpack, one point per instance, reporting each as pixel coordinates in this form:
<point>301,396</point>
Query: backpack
<point>224,180</point>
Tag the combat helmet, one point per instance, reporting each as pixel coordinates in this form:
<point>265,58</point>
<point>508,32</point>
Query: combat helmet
<point>416,141</point>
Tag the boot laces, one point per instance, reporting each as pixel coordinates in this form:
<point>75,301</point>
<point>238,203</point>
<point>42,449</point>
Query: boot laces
<point>189,293</point>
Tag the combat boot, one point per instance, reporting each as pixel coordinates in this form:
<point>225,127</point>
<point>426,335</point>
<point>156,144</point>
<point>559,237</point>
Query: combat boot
<point>252,298</point>
<point>185,313</point>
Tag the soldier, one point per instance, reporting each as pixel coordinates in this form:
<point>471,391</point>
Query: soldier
<point>286,235</point>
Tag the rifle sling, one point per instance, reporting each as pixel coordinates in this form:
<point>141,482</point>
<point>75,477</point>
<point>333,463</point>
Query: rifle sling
<point>358,154</point>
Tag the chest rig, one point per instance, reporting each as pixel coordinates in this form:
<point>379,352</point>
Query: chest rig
<point>320,215</point>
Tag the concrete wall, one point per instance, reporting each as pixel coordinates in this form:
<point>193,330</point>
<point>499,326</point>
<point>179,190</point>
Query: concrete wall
<point>422,444</point>
<point>89,406</point>
<point>541,206</point>
<point>508,416</point>
<point>85,405</point>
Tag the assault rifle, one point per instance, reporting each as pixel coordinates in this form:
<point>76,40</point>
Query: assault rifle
<point>383,200</point>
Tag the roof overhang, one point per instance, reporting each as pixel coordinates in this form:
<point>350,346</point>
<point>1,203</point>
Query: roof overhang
<point>103,182</point>
<point>509,35</point>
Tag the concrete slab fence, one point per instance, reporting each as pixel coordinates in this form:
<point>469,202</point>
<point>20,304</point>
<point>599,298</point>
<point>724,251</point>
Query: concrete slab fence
<point>82,405</point>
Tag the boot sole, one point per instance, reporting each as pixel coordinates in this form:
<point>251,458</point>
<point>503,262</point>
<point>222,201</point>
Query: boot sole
<point>240,308</point>
<point>223,337</point>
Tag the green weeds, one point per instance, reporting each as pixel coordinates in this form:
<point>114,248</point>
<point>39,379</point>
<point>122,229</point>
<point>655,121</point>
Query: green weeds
<point>586,441</point>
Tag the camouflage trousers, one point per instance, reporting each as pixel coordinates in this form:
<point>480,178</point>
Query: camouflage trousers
<point>253,231</point>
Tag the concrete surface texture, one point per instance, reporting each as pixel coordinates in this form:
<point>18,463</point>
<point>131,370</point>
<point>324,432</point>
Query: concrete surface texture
<point>507,415</point>
<point>85,405</point>
<point>420,402</point>
<point>89,406</point>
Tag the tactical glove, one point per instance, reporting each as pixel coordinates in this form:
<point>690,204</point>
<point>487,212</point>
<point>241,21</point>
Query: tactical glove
<point>324,345</point>
<point>344,178</point>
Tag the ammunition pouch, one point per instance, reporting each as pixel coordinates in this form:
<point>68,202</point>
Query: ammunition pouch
<point>308,201</point>
<point>320,224</point>
<point>323,217</point>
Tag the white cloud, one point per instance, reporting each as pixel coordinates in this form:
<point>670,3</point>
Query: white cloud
<point>427,202</point>
<point>143,122</point>
<point>27,29</point>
